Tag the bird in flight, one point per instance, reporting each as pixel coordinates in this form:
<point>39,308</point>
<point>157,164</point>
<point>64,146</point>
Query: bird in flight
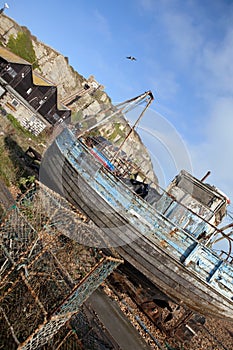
<point>131,58</point>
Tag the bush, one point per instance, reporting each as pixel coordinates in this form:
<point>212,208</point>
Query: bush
<point>26,182</point>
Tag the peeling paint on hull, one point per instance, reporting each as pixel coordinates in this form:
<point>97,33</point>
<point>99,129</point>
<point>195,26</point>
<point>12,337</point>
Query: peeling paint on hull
<point>184,269</point>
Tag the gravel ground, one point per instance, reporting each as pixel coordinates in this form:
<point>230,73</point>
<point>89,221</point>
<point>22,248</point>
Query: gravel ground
<point>215,334</point>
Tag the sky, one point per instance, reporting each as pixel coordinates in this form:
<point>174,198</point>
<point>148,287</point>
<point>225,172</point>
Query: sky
<point>184,52</point>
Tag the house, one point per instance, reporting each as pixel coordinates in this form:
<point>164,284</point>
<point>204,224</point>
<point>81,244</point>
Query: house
<point>93,83</point>
<point>29,97</point>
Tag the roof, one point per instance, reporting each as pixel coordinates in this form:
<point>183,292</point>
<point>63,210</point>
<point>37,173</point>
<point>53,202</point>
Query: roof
<point>11,57</point>
<point>38,80</point>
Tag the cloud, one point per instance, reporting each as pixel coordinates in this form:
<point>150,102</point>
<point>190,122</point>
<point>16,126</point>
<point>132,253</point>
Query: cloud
<point>102,25</point>
<point>164,85</point>
<point>215,87</point>
<point>185,37</point>
<point>181,26</point>
<point>215,153</point>
<point>147,4</point>
<point>203,47</point>
<point>217,67</point>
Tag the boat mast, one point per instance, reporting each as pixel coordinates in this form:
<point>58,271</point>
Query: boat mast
<point>142,97</point>
<point>121,108</point>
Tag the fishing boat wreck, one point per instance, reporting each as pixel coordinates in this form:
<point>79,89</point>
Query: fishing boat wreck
<point>167,235</point>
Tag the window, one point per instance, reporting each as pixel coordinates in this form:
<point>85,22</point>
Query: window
<point>14,102</point>
<point>56,116</point>
<point>11,72</point>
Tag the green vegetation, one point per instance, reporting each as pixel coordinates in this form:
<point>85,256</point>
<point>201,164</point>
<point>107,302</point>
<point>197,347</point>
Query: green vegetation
<point>15,167</point>
<point>99,94</point>
<point>12,167</point>
<point>26,182</point>
<point>16,124</point>
<point>22,46</point>
<point>6,167</point>
<point>24,133</point>
<point>77,117</point>
<point>117,132</point>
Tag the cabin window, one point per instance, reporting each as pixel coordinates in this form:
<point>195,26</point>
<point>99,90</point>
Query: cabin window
<point>14,102</point>
<point>11,72</point>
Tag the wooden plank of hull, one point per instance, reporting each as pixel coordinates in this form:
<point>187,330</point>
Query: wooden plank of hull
<point>101,213</point>
<point>51,169</point>
<point>75,189</point>
<point>171,276</point>
<point>175,281</point>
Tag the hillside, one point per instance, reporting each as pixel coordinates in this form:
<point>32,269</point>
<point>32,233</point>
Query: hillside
<point>55,67</point>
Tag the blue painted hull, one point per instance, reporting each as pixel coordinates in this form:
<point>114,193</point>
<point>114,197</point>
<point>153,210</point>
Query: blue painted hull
<point>173,259</point>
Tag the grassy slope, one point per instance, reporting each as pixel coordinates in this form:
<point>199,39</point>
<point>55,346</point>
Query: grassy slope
<point>14,141</point>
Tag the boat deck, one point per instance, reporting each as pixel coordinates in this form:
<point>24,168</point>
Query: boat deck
<point>149,237</point>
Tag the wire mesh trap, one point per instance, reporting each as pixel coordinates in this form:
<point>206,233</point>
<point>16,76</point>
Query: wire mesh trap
<point>45,274</point>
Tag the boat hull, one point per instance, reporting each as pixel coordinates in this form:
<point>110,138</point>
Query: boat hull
<point>168,257</point>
